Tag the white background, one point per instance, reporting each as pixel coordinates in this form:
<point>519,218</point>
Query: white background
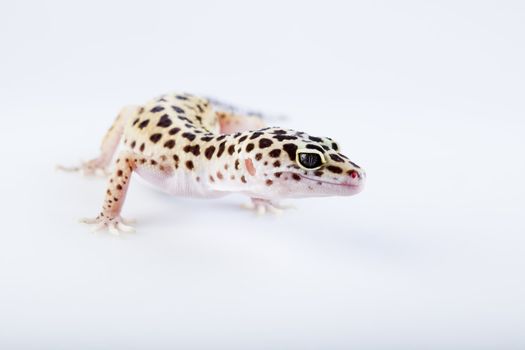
<point>427,96</point>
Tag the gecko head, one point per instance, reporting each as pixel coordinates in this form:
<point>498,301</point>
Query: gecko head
<point>299,165</point>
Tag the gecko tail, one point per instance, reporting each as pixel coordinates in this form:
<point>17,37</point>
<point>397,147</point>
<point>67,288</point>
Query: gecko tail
<point>221,106</point>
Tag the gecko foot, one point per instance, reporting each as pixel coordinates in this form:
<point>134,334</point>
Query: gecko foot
<point>114,225</point>
<point>97,166</point>
<point>262,206</point>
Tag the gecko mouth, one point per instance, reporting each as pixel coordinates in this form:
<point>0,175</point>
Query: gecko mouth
<point>347,185</point>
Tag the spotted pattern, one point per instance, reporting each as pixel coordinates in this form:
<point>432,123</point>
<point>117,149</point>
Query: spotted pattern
<point>164,121</point>
<point>155,138</point>
<point>187,140</point>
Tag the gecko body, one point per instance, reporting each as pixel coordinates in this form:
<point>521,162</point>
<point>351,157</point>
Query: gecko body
<point>187,145</point>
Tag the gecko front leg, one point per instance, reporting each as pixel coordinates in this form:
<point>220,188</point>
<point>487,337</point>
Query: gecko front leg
<point>118,185</point>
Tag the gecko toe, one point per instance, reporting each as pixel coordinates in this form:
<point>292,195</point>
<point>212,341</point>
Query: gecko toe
<point>114,225</point>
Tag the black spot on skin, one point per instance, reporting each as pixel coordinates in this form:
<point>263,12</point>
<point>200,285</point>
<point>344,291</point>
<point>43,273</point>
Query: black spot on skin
<point>243,179</point>
<point>135,121</point>
<point>164,121</point>
<point>276,164</point>
<point>336,158</point>
<point>179,97</point>
<point>249,147</point>
<point>176,158</point>
<point>243,138</point>
<point>285,137</point>
<point>155,138</point>
<point>211,179</point>
<point>237,134</point>
<point>334,146</point>
<point>325,147</point>
<point>141,110</point>
<point>184,119</point>
<point>209,152</point>
<point>219,175</point>
<point>192,149</point>
<point>169,144</point>
<point>189,136</point>
<point>222,146</point>
<point>231,149</point>
<point>190,126</point>
<point>220,138</point>
<point>269,182</point>
<point>275,153</point>
<point>174,131</point>
<point>119,173</point>
<point>157,109</point>
<point>207,138</point>
<point>200,108</point>
<point>318,173</point>
<point>355,165</point>
<point>334,169</point>
<point>258,156</point>
<point>237,164</point>
<point>264,143</point>
<point>317,148</point>
<point>255,135</point>
<point>133,143</point>
<point>189,164</point>
<point>296,177</point>
<point>291,149</point>
<point>153,162</point>
<point>278,174</point>
<point>279,132</point>
<point>143,124</point>
<point>315,139</point>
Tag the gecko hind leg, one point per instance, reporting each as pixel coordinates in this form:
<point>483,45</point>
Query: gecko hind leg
<point>231,123</point>
<point>98,166</point>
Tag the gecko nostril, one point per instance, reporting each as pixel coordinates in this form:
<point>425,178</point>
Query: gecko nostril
<point>354,174</point>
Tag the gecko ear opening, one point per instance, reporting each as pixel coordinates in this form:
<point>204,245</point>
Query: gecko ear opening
<point>249,166</point>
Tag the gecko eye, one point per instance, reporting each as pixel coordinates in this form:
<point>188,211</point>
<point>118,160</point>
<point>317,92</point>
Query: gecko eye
<point>310,159</point>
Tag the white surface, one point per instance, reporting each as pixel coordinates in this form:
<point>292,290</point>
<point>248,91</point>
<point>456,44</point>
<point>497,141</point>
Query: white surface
<point>427,97</point>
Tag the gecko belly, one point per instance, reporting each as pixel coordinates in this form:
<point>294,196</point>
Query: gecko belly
<point>177,183</point>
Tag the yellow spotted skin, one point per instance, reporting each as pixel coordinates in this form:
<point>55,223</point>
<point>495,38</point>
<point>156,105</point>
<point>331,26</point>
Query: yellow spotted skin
<point>189,145</point>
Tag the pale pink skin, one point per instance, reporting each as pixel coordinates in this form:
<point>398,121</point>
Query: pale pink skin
<point>261,164</point>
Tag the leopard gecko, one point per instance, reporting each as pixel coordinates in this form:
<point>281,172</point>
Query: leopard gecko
<point>188,145</point>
